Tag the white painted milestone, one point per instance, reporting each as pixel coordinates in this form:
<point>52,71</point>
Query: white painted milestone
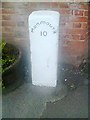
<point>44,36</point>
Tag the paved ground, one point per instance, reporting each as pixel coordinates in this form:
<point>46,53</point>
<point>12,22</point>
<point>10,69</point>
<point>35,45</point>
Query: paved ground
<point>25,103</point>
<point>75,105</point>
<point>28,101</point>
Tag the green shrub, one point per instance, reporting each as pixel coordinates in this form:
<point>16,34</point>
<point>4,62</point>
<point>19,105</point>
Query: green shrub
<point>7,57</point>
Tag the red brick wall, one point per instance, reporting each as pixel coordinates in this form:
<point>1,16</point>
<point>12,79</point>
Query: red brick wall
<point>73,26</point>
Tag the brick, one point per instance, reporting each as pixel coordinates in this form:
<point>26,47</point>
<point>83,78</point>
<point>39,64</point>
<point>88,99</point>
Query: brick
<point>6,17</point>
<point>66,37</point>
<point>64,19</point>
<point>0,11</point>
<point>75,37</point>
<point>80,19</point>
<point>62,24</point>
<point>22,30</point>
<point>76,31</point>
<point>8,23</point>
<point>73,6</point>
<point>21,40</point>
<point>42,5</point>
<point>83,37</point>
<point>32,5</point>
<point>89,6</point>
<point>8,29</point>
<point>88,23</point>
<point>69,37</point>
<point>8,38</point>
<point>84,25</point>
<point>86,13</point>
<point>65,11</point>
<point>65,43</point>
<point>22,11</point>
<point>8,4</point>
<point>0,17</point>
<point>63,5</point>
<point>14,4</point>
<point>0,22</point>
<point>80,1</point>
<point>54,5</point>
<point>21,34</point>
<point>0,29</point>
<point>76,25</point>
<point>0,35</point>
<point>21,4</point>
<point>20,23</point>
<point>83,6</point>
<point>8,34</point>
<point>89,14</point>
<point>0,4</point>
<point>8,11</point>
<point>78,12</point>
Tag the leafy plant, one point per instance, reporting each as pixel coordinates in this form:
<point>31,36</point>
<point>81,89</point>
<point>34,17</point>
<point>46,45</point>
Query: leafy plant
<point>7,56</point>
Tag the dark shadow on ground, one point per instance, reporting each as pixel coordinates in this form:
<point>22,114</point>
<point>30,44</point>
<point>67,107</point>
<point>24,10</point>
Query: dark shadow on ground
<point>74,105</point>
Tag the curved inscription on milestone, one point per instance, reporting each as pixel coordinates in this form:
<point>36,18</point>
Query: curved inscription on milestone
<point>44,23</point>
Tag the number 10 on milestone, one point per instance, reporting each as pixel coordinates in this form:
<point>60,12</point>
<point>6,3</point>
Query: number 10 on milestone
<point>43,33</point>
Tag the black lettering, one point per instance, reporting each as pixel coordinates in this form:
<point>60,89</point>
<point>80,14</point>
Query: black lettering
<point>42,22</point>
<point>47,23</point>
<point>37,24</point>
<point>44,33</point>
<point>50,25</point>
<point>32,29</point>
